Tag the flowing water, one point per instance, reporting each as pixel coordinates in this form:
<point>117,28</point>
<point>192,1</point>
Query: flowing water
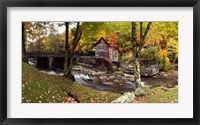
<point>105,85</point>
<point>117,83</point>
<point>120,84</point>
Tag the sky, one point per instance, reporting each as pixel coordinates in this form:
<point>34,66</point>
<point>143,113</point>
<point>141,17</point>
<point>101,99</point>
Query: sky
<point>62,28</point>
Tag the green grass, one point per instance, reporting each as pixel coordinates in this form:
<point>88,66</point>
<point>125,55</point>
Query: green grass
<point>170,96</point>
<point>44,88</point>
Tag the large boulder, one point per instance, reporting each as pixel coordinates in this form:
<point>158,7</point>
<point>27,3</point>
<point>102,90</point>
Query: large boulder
<point>142,91</point>
<point>147,69</point>
<point>127,97</point>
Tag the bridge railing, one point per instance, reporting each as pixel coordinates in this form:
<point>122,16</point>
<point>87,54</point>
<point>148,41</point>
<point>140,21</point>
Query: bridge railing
<point>43,54</point>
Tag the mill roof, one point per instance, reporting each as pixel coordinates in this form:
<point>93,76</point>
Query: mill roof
<point>100,40</point>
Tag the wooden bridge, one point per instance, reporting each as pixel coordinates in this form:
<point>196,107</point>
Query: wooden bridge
<point>56,60</point>
<point>43,54</point>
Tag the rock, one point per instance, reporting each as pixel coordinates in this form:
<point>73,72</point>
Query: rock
<point>130,82</point>
<point>129,79</point>
<point>126,70</point>
<point>146,69</point>
<point>111,77</point>
<point>163,74</point>
<point>130,85</point>
<point>102,77</point>
<point>130,66</point>
<point>149,70</point>
<point>165,89</point>
<point>108,83</point>
<point>94,78</point>
<point>115,80</point>
<point>127,97</point>
<point>170,85</point>
<point>141,91</point>
<point>119,76</point>
<point>128,75</point>
<point>120,81</point>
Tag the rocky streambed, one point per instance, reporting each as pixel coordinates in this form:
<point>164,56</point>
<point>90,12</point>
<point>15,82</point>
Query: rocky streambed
<point>119,81</point>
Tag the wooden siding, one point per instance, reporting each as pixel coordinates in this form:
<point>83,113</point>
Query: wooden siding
<point>113,54</point>
<point>102,49</point>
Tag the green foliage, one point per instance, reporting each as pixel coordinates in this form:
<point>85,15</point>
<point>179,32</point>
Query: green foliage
<point>162,64</point>
<point>52,43</point>
<point>166,36</point>
<point>172,50</point>
<point>43,36</point>
<point>116,33</point>
<point>150,53</point>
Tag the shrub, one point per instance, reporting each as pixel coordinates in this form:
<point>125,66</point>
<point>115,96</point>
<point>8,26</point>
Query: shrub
<point>150,53</point>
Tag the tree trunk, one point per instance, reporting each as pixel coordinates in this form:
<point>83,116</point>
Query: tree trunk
<point>23,44</point>
<point>70,65</point>
<point>76,39</point>
<point>137,47</point>
<point>136,58</point>
<point>137,72</point>
<point>66,63</point>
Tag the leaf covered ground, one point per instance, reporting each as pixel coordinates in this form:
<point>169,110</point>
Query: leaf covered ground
<point>38,87</point>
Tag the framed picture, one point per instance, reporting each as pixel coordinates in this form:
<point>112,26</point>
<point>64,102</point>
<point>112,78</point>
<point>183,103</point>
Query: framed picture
<point>105,62</point>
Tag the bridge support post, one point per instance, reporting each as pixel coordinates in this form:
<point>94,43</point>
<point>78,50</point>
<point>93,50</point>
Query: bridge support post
<point>50,63</point>
<point>36,60</point>
<point>24,58</point>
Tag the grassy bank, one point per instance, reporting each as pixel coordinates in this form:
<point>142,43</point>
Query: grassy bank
<point>171,96</point>
<point>38,87</point>
<point>44,88</point>
<point>160,95</point>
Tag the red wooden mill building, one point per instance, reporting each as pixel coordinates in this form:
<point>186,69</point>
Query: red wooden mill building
<point>103,49</point>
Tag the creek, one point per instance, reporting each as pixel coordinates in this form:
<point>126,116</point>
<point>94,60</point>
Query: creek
<point>115,82</point>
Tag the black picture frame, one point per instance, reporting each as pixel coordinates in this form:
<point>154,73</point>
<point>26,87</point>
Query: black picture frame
<point>99,3</point>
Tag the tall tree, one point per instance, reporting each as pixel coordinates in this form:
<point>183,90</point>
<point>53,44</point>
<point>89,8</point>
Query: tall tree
<point>66,63</point>
<point>76,39</point>
<point>38,32</point>
<point>137,47</point>
<point>23,42</point>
